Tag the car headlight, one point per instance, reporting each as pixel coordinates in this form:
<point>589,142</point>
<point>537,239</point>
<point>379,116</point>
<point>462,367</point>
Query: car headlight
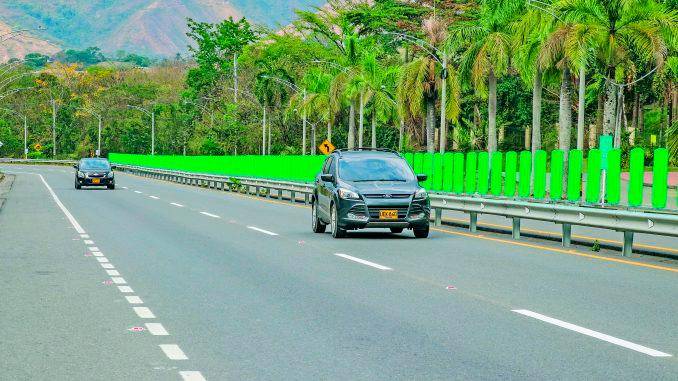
<point>420,194</point>
<point>81,174</point>
<point>109,175</point>
<point>348,195</point>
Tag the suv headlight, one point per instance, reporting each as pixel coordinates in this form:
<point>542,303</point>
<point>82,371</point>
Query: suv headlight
<point>81,174</point>
<point>420,194</point>
<point>109,175</point>
<point>348,195</point>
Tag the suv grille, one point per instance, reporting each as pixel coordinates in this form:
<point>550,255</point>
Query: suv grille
<point>386,195</point>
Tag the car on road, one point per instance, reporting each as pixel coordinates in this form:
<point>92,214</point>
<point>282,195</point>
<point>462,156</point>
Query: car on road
<point>94,172</point>
<point>369,188</point>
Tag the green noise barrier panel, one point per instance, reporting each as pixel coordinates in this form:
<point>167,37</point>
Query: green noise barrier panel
<point>427,169</point>
<point>496,173</point>
<point>483,172</point>
<point>438,172</point>
<point>525,174</point>
<point>510,181</point>
<point>540,174</point>
<point>637,174</point>
<point>458,173</point>
<point>419,163</point>
<point>575,163</point>
<point>660,177</point>
<point>409,157</point>
<point>557,162</point>
<point>613,177</point>
<point>448,171</point>
<point>471,162</point>
<point>593,172</point>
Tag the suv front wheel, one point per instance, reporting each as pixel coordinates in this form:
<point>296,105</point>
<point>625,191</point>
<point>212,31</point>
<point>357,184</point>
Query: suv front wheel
<point>422,232</point>
<point>337,232</point>
<point>317,225</point>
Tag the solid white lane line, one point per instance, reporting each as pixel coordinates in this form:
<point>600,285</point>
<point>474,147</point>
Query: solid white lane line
<point>118,280</point>
<point>97,254</point>
<point>107,265</point>
<point>134,299</point>
<point>364,262</point>
<point>192,375</point>
<point>61,206</point>
<point>137,192</point>
<point>173,352</point>
<point>125,289</point>
<point>154,197</point>
<point>88,242</point>
<point>156,329</point>
<point>144,312</point>
<point>595,334</point>
<point>210,215</point>
<point>93,248</point>
<point>102,259</point>
<point>261,230</point>
<point>84,235</point>
<point>177,205</point>
<point>112,272</point>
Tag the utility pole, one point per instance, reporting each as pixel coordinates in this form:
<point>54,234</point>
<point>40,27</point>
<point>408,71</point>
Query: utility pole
<point>235,78</point>
<point>152,132</point>
<point>443,108</point>
<point>263,133</point>
<point>99,140</point>
<point>303,139</point>
<point>53,128</point>
<point>25,138</point>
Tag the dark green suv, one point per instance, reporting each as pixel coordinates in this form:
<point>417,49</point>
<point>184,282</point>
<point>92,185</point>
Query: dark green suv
<point>369,188</point>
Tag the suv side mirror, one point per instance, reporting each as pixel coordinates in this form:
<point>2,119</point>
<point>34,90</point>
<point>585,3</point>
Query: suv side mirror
<point>75,166</point>
<point>113,167</point>
<point>327,177</point>
<point>422,177</point>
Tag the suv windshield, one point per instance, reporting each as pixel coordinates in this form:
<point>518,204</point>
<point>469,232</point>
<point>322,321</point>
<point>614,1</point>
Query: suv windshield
<point>375,169</point>
<point>94,165</point>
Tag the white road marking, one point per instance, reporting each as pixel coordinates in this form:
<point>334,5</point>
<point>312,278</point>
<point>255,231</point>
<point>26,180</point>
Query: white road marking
<point>595,334</point>
<point>144,312</point>
<point>156,329</point>
<point>177,205</point>
<point>84,235</point>
<point>261,230</point>
<point>125,188</point>
<point>192,375</point>
<point>88,242</point>
<point>118,280</point>
<point>112,272</point>
<point>173,352</point>
<point>210,215</point>
<point>125,289</point>
<point>97,254</point>
<point>102,259</point>
<point>154,197</point>
<point>364,262</point>
<point>61,206</point>
<point>93,248</point>
<point>137,192</point>
<point>107,265</point>
<point>134,299</point>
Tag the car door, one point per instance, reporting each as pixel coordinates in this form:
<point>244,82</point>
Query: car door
<point>321,191</point>
<point>329,186</point>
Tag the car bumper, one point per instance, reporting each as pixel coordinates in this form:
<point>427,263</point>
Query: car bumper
<point>104,181</point>
<point>364,214</point>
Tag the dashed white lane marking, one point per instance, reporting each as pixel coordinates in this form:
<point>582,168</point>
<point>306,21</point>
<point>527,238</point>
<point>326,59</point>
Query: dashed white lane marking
<point>88,242</point>
<point>125,289</point>
<point>97,254</point>
<point>595,334</point>
<point>137,192</point>
<point>102,259</point>
<point>84,235</point>
<point>107,265</point>
<point>156,329</point>
<point>134,299</point>
<point>210,215</point>
<point>154,197</point>
<point>261,230</point>
<point>61,206</point>
<point>118,280</point>
<point>93,248</point>
<point>144,312</point>
<point>173,352</point>
<point>112,272</point>
<point>177,205</point>
<point>364,262</point>
<point>191,375</point>
<point>125,188</point>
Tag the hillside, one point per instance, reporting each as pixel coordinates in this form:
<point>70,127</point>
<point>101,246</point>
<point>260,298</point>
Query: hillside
<point>152,27</point>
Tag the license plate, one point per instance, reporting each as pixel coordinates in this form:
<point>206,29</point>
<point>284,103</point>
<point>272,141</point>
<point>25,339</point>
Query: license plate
<point>388,214</point>
<point>96,181</point>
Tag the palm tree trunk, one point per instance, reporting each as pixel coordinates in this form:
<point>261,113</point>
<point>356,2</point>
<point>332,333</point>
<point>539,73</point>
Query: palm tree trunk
<point>400,135</point>
<point>610,106</point>
<point>600,111</point>
<point>263,132</point>
<point>565,120</point>
<point>270,138</point>
<point>374,128</point>
<point>361,130</point>
<point>536,112</point>
<point>314,143</point>
<point>582,108</point>
<point>430,124</point>
<point>351,125</point>
<point>329,131</point>
<point>492,114</point>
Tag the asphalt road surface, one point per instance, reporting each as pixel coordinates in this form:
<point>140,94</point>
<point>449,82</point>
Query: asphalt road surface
<point>159,281</point>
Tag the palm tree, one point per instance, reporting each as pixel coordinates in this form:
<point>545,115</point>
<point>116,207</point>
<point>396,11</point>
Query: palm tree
<point>487,42</point>
<point>318,102</point>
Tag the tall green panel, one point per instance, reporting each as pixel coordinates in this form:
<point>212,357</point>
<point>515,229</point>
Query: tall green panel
<point>419,163</point>
<point>613,177</point>
<point>448,171</point>
<point>471,162</point>
<point>556,184</point>
<point>409,158</point>
<point>438,172</point>
<point>511,167</point>
<point>427,169</point>
<point>483,172</point>
<point>576,162</point>
<point>637,175</point>
<point>458,173</point>
<point>539,174</point>
<point>496,173</point>
<point>660,178</point>
<point>593,173</point>
<point>525,176</point>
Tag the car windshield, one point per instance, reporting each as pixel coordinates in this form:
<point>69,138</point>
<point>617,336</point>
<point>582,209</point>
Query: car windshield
<point>375,169</point>
<point>95,165</point>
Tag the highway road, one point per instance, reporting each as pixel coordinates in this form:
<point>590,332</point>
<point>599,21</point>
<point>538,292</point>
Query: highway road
<point>159,281</point>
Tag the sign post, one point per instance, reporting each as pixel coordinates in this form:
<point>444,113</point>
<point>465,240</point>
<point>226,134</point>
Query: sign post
<point>606,145</point>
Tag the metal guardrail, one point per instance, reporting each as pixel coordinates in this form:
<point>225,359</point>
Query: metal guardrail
<point>626,221</point>
<point>38,161</point>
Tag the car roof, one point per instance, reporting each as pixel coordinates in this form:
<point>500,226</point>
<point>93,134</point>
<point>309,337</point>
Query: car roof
<point>93,159</point>
<point>366,153</point>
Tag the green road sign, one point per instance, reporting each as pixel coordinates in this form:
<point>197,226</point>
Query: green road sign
<point>605,147</point>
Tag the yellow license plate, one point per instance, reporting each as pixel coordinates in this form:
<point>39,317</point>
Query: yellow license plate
<point>96,181</point>
<point>388,214</point>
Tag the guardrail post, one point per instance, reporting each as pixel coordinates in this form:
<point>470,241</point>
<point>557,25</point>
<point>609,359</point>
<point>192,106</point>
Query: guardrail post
<point>293,197</point>
<point>438,219</point>
<point>627,249</point>
<point>567,235</point>
<point>473,222</point>
<point>268,192</point>
<point>305,198</point>
<point>515,231</point>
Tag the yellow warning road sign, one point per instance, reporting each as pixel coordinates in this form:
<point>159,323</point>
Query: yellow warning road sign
<point>326,147</point>
<point>37,147</point>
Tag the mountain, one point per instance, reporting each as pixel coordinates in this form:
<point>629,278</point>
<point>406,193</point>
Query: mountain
<point>151,27</point>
